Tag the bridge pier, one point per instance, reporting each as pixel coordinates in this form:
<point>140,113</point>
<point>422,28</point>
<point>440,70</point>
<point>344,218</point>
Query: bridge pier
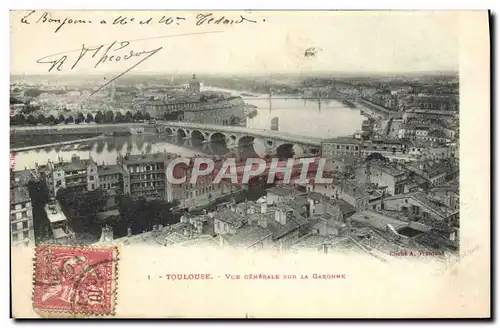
<point>231,143</point>
<point>233,135</point>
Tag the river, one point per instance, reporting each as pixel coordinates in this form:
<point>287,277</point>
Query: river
<point>329,119</point>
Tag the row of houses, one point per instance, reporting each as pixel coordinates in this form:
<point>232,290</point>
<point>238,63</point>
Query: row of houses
<point>135,175</point>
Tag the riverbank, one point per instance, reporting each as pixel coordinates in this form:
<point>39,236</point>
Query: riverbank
<point>70,142</point>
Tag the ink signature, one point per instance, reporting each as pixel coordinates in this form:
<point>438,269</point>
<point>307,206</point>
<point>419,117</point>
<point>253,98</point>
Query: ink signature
<point>102,54</point>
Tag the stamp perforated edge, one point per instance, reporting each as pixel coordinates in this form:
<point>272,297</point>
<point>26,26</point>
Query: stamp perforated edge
<point>53,313</point>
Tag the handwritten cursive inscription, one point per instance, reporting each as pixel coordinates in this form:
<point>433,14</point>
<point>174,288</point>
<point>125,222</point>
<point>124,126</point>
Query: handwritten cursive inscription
<point>48,18</point>
<point>59,21</point>
<point>209,19</point>
<point>102,54</point>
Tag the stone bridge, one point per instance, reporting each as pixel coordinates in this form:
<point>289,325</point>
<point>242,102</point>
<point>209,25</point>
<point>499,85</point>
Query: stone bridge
<point>236,136</point>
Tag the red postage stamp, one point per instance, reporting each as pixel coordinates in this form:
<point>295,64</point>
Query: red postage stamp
<point>76,281</point>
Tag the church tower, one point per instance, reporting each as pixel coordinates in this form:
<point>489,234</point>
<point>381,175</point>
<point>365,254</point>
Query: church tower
<point>194,85</point>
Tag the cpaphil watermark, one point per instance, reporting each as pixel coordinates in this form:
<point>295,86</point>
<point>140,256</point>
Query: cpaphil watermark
<point>308,170</point>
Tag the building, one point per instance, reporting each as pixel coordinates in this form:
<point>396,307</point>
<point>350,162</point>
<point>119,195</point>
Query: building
<point>436,103</point>
<point>279,194</point>
<point>383,175</point>
<point>22,232</point>
<point>354,194</point>
<point>145,175</point>
<point>447,194</point>
<point>341,146</point>
<point>200,193</point>
<point>58,223</point>
<point>435,173</point>
<point>249,237</point>
<point>77,174</point>
<point>200,108</point>
<point>111,177</point>
<point>421,131</point>
<point>342,164</point>
<point>194,85</point>
<point>417,206</point>
<point>278,225</point>
<point>228,221</point>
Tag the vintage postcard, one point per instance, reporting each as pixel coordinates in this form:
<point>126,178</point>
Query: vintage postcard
<point>249,164</point>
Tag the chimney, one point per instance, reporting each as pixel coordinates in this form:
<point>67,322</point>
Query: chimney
<point>199,228</point>
<point>288,215</point>
<point>263,207</point>
<point>277,215</point>
<point>324,227</point>
<point>263,221</point>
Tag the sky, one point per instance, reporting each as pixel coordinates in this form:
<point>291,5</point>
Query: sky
<point>354,41</point>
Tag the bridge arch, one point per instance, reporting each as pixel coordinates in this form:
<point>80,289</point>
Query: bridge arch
<point>245,141</point>
<point>181,133</point>
<point>285,150</point>
<point>169,130</point>
<point>217,137</point>
<point>197,135</point>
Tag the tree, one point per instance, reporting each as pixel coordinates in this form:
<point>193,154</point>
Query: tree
<point>138,116</point>
<point>32,93</point>
<point>119,118</point>
<point>141,215</point>
<point>80,118</point>
<point>31,120</point>
<point>147,116</point>
<point>234,120</point>
<point>89,118</point>
<point>60,119</point>
<point>81,209</point>
<point>99,117</point>
<point>109,117</point>
<point>19,119</point>
<point>128,117</point>
<point>41,119</point>
<point>39,195</point>
<point>51,120</point>
<point>69,119</point>
<point>375,156</point>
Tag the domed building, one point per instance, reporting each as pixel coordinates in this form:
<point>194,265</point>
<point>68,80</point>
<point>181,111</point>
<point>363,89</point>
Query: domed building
<point>194,85</point>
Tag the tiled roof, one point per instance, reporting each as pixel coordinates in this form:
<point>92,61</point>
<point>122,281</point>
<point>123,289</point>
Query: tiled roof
<point>343,140</point>
<point>391,170</point>
<point>281,191</point>
<point>247,236</point>
<point>377,220</point>
<point>345,207</point>
<point>110,169</point>
<point>438,208</point>
<point>19,195</point>
<point>146,158</point>
<point>229,217</point>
